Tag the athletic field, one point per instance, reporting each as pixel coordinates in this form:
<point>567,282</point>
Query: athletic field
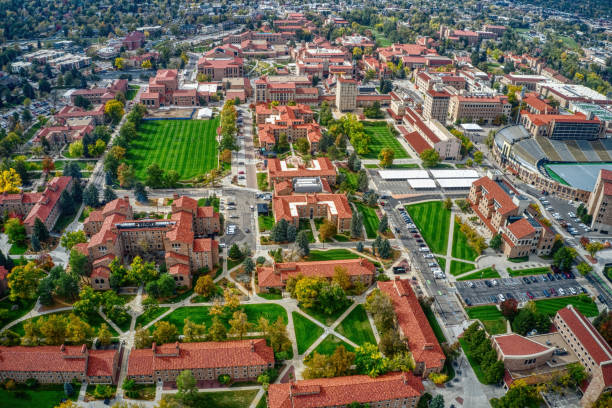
<point>381,137</point>
<point>187,146</point>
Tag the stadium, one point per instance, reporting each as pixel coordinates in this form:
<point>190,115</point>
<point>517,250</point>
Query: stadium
<point>567,168</point>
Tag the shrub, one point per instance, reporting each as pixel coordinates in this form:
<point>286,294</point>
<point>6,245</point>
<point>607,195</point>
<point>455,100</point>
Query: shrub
<point>224,379</point>
<point>103,391</point>
<point>438,378</point>
<point>31,383</point>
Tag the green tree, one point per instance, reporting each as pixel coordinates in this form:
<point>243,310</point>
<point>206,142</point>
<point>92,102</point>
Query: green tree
<point>15,231</point>
<point>370,361</point>
<point>564,258</point>
<point>187,387</point>
<point>584,268</point>
<point>302,243</point>
<point>234,252</point>
<point>430,158</point>
<point>142,338</point>
<point>23,281</point>
<point>496,241</point>
<point>383,226</point>
<point>437,402</point>
<point>239,324</point>
<point>165,332</point>
<point>71,238</point>
<point>104,335</point>
<point>79,263</point>
<point>155,176</point>
<point>40,230</point>
<point>356,225</point>
<point>76,149</point>
<point>217,331</point>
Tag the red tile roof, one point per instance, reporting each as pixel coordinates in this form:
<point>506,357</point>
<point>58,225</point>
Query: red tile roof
<point>542,119</point>
<point>179,269</point>
<point>204,245</point>
<point>182,230</point>
<point>277,275</point>
<point>282,205</point>
<point>341,391</point>
<point>23,198</point>
<point>538,104</point>
<point>413,323</point>
<point>326,169</point>
<point>237,353</point>
<point>495,192</point>
<point>517,345</point>
<point>49,199</point>
<point>101,272</point>
<point>521,228</point>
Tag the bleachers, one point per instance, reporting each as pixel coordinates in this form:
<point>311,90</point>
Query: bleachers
<point>601,151</point>
<point>575,150</point>
<point>607,144</point>
<point>563,151</point>
<point>548,148</point>
<point>588,151</point>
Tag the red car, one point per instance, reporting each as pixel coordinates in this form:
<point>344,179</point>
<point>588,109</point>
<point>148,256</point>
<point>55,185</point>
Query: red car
<point>241,172</point>
<point>529,295</point>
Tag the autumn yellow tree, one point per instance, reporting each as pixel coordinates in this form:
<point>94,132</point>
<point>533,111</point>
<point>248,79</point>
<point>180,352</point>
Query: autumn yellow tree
<point>204,286</point>
<point>146,64</point>
<point>10,181</point>
<point>114,110</point>
<point>386,157</point>
<point>239,324</point>
<point>119,63</point>
<point>327,230</point>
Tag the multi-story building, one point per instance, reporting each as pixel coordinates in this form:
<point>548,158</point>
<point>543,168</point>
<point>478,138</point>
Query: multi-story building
<point>276,276</point>
<point>161,88</point>
<point>600,198</point>
<point>134,40</point>
<point>242,360</point>
<point>593,351</point>
<point>436,105</point>
<point>414,327</point>
<point>280,170</point>
<point>392,390</point>
<point>285,89</point>
<point>218,68</point>
<point>59,364</point>
<point>485,109</point>
<point>430,135</point>
<point>346,94</point>
<point>565,94</point>
<point>537,106</point>
<point>18,204</point>
<point>352,41</point>
<point>295,122</point>
<point>101,95</point>
<point>47,208</point>
<point>563,127</point>
<point>182,241</point>
<point>500,208</point>
<point>528,82</point>
<point>333,207</point>
<point>59,136</point>
<point>74,112</point>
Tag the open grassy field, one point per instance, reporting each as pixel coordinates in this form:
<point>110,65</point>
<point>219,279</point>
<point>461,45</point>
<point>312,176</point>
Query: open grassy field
<point>331,255</point>
<point>441,262</point>
<point>475,366</point>
<point>306,332</point>
<point>459,268</point>
<point>461,249</point>
<point>351,177</point>
<point>266,222</point>
<point>131,92</point>
<point>356,327</point>
<point>44,396</point>
<point>486,273</point>
<point>329,345</point>
<point>433,220</point>
<point>370,219</point>
<point>200,314</point>
<point>381,137</point>
<point>187,146</point>
<point>582,302</point>
<point>490,316</point>
<point>529,271</point>
<point>94,322</point>
<point>145,319</point>
<point>325,318</point>
<point>223,399</point>
<point>24,307</point>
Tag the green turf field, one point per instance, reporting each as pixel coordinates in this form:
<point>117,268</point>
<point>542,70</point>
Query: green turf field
<point>529,271</point>
<point>381,137</point>
<point>433,221</point>
<point>187,146</point>
<point>461,249</point>
<point>329,345</point>
<point>582,302</point>
<point>356,327</point>
<point>459,268</point>
<point>331,255</point>
<point>306,332</point>
<point>490,316</point>
<point>370,219</point>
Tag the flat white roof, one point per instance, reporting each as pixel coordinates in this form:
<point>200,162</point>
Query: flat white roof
<point>421,183</point>
<point>403,174</point>
<point>205,113</point>
<point>454,174</point>
<point>456,182</point>
<point>471,127</point>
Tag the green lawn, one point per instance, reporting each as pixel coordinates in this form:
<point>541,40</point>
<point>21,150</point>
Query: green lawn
<point>370,219</point>
<point>44,396</point>
<point>145,319</point>
<point>271,296</point>
<point>24,307</point>
<point>329,345</point>
<point>433,221</point>
<point>325,318</point>
<point>17,249</point>
<point>232,263</point>
<point>306,332</point>
<point>94,322</point>
<point>490,316</point>
<point>200,314</point>
<point>461,249</point>
<point>486,273</point>
<point>131,92</point>
<point>187,146</point>
<point>433,322</point>
<point>441,262</point>
<point>331,255</point>
<point>356,327</point>
<point>304,225</point>
<point>381,137</point>
<point>458,267</point>
<point>550,306</point>
<point>63,221</point>
<point>59,164</point>
<point>262,181</point>
<point>351,178</point>
<point>475,366</point>
<point>223,399</point>
<point>529,271</point>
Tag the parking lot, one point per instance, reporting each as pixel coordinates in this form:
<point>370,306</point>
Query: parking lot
<point>477,292</point>
<point>564,212</point>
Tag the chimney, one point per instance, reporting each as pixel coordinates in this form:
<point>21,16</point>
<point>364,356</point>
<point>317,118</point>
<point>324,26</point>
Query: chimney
<point>83,349</point>
<point>252,346</point>
<point>62,348</point>
<point>154,348</point>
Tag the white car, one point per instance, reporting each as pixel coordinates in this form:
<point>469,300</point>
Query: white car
<point>572,291</point>
<point>428,256</point>
<point>561,292</point>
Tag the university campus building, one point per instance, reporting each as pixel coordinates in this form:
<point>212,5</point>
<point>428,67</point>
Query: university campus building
<point>293,121</point>
<point>333,207</point>
<point>183,241</point>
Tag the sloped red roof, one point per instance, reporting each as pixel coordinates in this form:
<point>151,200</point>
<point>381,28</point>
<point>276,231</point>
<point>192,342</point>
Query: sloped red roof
<point>49,199</point>
<point>516,345</point>
<point>521,228</point>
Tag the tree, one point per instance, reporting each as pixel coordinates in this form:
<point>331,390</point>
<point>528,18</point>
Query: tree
<point>78,331</point>
<point>564,258</point>
<point>204,286</point>
<point>383,226</point>
<point>47,164</point>
<point>277,336</point>
<point>155,176</point>
<point>234,252</point>
<point>40,230</point>
<point>171,178</point>
<point>146,64</point>
<point>53,329</point>
<point>141,271</point>
<point>327,230</point>
<point>386,157</point>
<point>91,196</point>
<point>140,193</point>
<point>114,110</point>
<point>79,263</point>
<point>76,149</point>
<point>239,324</point>
<point>584,268</point>
<point>10,181</point>
<point>437,402</point>
<point>104,335</point>
<point>142,338</point>
<point>109,194</point>
<point>362,180</point>
<point>15,231</point>
<point>302,243</point>
<point>430,158</point>
<point>279,231</point>
<point>165,332</point>
<point>302,145</point>
<point>217,331</point>
<point>119,63</point>
<point>23,281</point>
<point>593,247</point>
<point>356,225</point>
<point>379,305</point>
<point>341,278</point>
<point>370,361</point>
<point>448,204</point>
<point>249,265</point>
<point>496,241</point>
<point>478,157</point>
<point>509,308</point>
<point>384,250</point>
<point>186,386</point>
<point>193,331</point>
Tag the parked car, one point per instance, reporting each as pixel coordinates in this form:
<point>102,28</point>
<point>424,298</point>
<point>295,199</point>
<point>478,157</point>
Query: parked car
<point>529,295</point>
<point>553,291</point>
<point>488,283</point>
<point>526,280</point>
<point>561,292</point>
<point>545,292</point>
<point>534,279</point>
<point>467,302</point>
